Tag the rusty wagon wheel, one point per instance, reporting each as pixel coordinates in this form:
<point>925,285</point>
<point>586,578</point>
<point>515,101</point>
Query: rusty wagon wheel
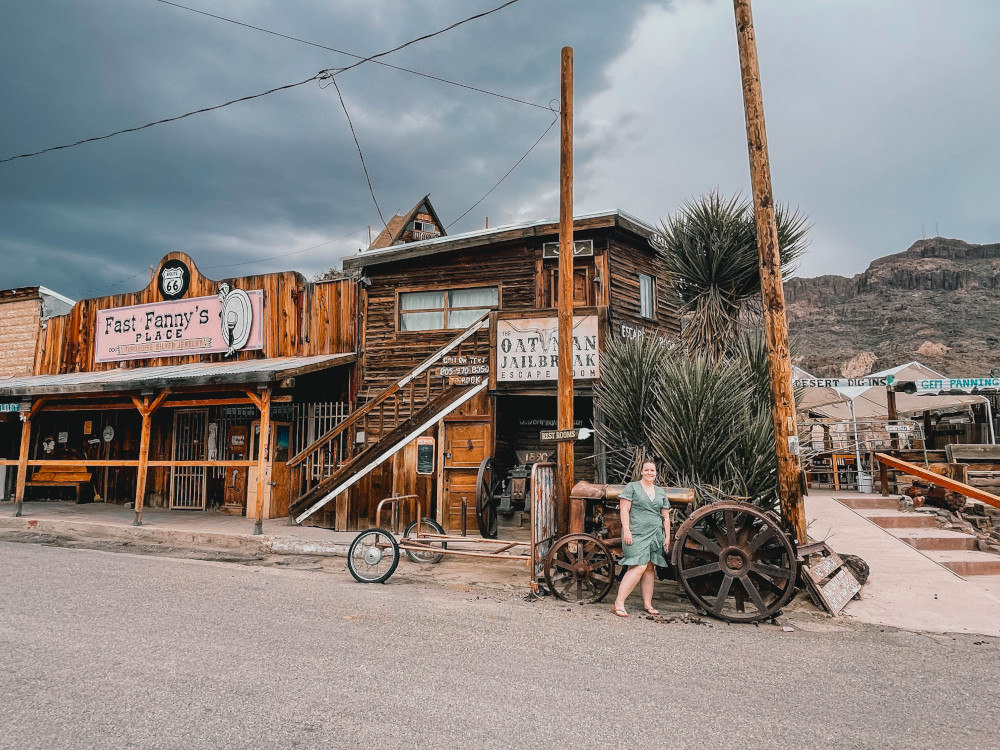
<point>735,562</point>
<point>580,568</point>
<point>488,485</point>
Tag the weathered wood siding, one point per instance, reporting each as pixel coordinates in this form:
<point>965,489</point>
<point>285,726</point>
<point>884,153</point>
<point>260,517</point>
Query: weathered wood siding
<point>19,330</point>
<point>627,260</point>
<point>300,319</point>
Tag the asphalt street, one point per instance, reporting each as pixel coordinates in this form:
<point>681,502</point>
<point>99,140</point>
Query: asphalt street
<point>103,650</point>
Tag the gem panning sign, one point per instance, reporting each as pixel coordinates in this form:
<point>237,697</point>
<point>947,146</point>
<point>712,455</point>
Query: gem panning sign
<point>180,328</point>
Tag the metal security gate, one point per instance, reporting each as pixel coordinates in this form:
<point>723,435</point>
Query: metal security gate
<point>190,443</point>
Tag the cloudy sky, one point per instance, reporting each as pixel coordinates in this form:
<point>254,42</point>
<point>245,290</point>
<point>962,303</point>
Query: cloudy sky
<point>882,123</point>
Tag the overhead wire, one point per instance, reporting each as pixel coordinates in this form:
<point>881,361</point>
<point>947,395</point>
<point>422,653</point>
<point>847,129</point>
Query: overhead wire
<point>333,80</point>
<point>516,165</point>
<point>322,73</point>
<point>354,55</point>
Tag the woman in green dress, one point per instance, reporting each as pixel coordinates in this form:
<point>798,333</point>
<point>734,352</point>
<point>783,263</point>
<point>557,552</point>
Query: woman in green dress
<point>645,514</point>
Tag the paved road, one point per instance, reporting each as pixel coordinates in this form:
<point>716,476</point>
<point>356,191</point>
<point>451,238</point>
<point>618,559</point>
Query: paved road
<point>101,650</point>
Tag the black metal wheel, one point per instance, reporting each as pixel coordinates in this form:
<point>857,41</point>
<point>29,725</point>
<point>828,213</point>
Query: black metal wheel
<point>427,526</point>
<point>488,485</point>
<point>373,556</point>
<point>580,568</point>
<point>735,562</point>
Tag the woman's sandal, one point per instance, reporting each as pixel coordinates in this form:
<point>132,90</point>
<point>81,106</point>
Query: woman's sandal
<point>618,611</point>
<point>651,611</point>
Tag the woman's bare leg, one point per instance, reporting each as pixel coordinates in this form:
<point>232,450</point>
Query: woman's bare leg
<point>629,580</point>
<point>647,587</point>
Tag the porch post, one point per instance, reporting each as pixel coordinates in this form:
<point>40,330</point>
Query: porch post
<point>263,455</point>
<point>22,458</point>
<point>146,409</point>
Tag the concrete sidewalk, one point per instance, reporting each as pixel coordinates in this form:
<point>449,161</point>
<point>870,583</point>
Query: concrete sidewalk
<point>176,528</point>
<point>906,589</point>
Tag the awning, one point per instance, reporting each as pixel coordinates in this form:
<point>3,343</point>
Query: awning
<point>243,372</point>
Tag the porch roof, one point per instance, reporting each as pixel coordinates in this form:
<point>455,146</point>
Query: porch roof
<point>243,372</point>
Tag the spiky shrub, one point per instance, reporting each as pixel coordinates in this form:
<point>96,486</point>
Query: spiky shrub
<point>708,249</point>
<point>706,421</point>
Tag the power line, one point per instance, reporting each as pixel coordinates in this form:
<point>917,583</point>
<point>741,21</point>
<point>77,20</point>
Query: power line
<point>354,55</point>
<point>161,122</point>
<point>516,164</point>
<point>364,166</point>
<point>322,73</point>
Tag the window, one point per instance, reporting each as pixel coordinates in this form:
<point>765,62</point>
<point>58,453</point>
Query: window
<point>451,308</point>
<point>647,296</point>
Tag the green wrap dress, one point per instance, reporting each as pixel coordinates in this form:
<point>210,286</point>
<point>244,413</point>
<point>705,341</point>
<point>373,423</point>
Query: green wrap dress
<point>646,525</point>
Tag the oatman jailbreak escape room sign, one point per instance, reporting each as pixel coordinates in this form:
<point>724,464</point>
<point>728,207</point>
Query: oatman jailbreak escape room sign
<point>227,322</point>
<point>528,349</point>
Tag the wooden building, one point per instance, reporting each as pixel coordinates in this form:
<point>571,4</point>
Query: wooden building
<point>456,359</point>
<point>161,397</point>
<point>433,354</point>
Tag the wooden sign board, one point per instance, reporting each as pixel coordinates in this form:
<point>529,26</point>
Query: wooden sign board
<point>581,249</point>
<point>830,582</point>
<point>558,436</point>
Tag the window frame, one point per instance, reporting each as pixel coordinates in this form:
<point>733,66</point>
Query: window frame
<point>399,312</point>
<point>652,296</point>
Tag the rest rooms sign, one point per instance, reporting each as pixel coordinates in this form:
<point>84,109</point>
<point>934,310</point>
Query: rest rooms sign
<point>528,349</point>
<point>225,322</point>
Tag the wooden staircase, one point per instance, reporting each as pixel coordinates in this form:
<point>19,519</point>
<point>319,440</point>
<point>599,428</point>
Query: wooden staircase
<point>388,422</point>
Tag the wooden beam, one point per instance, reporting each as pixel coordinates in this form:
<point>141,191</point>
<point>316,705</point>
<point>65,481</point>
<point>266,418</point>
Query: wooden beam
<point>929,476</point>
<point>263,457</point>
<point>890,400</point>
<point>36,407</point>
<point>158,401</point>
<point>254,398</point>
<point>564,404</point>
<point>775,323</point>
<point>22,467</point>
<point>140,482</point>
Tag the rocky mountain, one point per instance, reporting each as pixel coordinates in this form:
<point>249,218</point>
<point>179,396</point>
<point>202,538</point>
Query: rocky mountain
<point>937,302</point>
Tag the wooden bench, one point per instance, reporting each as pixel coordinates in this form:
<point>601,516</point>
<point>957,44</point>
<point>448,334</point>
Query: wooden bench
<point>61,476</point>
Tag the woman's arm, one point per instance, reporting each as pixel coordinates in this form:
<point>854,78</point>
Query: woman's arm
<point>665,512</point>
<point>624,506</point>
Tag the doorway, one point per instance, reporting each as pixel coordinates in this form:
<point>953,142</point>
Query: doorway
<point>276,485</point>
<point>465,444</point>
<point>190,443</point>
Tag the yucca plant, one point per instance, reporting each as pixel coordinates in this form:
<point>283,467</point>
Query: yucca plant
<point>708,249</point>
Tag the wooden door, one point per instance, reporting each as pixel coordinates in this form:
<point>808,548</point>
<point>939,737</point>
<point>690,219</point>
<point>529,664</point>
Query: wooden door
<point>281,433</point>
<point>189,443</point>
<point>583,286</point>
<point>464,446</point>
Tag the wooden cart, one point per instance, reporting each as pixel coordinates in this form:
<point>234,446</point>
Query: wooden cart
<point>734,560</point>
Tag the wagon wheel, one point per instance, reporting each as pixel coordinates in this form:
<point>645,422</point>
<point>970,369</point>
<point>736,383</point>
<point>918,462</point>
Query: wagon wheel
<point>429,555</point>
<point>373,556</point>
<point>580,568</point>
<point>729,555</point>
<point>488,486</point>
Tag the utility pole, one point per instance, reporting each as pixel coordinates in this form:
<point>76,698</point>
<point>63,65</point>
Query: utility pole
<point>564,457</point>
<point>775,323</point>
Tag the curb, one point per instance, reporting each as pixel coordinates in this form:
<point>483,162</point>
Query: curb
<point>263,544</point>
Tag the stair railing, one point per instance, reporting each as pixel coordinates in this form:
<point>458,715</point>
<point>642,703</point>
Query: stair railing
<point>401,400</point>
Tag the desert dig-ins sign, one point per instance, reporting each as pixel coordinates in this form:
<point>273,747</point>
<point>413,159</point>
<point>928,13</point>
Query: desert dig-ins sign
<point>225,323</point>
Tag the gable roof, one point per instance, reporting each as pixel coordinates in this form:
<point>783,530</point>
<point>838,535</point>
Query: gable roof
<point>392,232</point>
<point>488,237</point>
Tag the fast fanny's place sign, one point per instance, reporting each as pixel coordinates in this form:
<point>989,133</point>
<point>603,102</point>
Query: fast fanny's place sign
<point>225,323</point>
<point>528,349</point>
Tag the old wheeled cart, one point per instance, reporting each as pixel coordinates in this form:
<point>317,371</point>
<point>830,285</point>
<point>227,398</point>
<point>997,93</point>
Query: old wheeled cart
<point>734,560</point>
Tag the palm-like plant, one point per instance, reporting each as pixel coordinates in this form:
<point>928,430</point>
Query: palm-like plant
<point>709,251</point>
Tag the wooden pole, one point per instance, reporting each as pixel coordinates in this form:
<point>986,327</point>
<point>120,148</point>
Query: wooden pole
<point>564,457</point>
<point>263,457</point>
<point>22,467</point>
<point>775,322</point>
<point>890,400</point>
<point>140,482</point>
